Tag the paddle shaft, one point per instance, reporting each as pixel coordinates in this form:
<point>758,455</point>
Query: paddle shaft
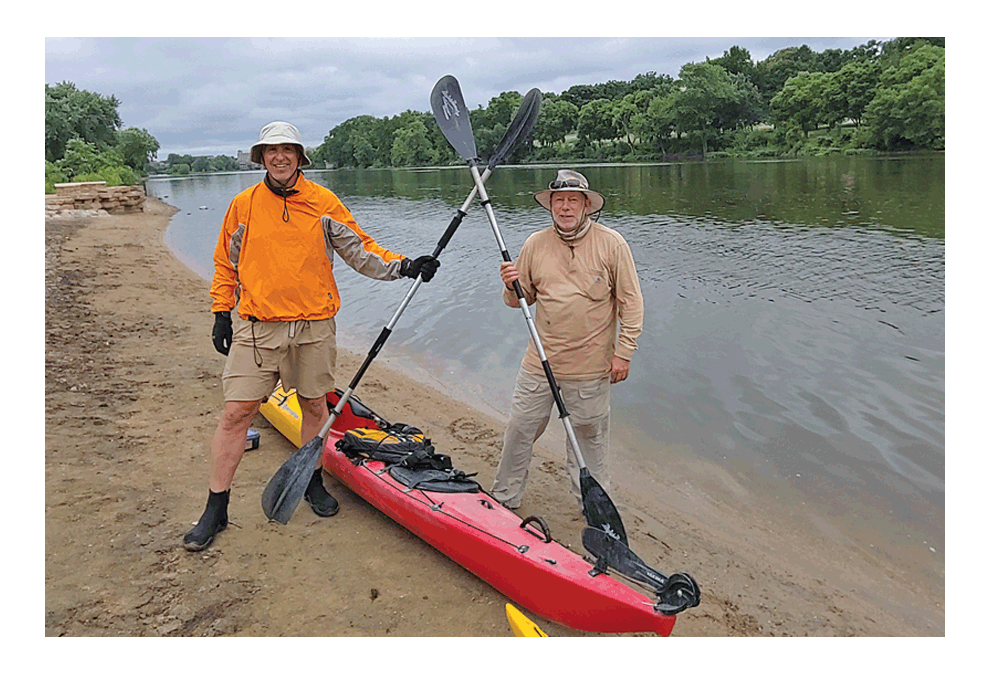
<point>307,457</point>
<point>310,465</point>
<point>524,306</point>
<point>387,330</point>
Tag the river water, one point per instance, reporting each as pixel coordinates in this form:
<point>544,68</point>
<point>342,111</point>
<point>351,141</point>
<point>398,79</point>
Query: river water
<point>795,314</point>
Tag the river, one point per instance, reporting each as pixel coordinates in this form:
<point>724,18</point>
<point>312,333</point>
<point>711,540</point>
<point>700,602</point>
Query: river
<point>795,317</point>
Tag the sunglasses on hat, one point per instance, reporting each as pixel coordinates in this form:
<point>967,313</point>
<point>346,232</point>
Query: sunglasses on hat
<point>570,182</point>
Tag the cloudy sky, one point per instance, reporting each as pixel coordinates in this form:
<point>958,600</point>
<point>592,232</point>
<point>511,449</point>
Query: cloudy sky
<point>205,96</point>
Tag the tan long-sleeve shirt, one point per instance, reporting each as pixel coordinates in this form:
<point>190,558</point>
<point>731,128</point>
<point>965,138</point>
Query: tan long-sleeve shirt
<point>587,299</point>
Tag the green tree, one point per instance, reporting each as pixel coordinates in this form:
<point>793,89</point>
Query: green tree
<point>53,174</point>
<point>362,151</point>
<point>737,60</point>
<point>338,147</point>
<point>651,82</point>
<point>83,162</point>
<point>83,158</point>
<point>138,147</point>
<point>595,122</point>
<point>801,102</point>
<point>175,160</point>
<point>865,52</point>
<point>772,73</point>
<point>223,163</point>
<point>75,113</point>
<point>893,50</point>
<point>659,121</point>
<point>201,164</point>
<point>850,90</point>
<point>908,110</point>
<point>706,92</point>
<point>412,146</point>
<point>624,116</point>
<point>745,108</point>
<point>557,119</point>
<point>502,109</point>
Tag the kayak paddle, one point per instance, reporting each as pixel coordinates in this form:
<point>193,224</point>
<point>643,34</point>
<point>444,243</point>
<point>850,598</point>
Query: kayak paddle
<point>285,489</point>
<point>675,593</point>
<point>452,116</point>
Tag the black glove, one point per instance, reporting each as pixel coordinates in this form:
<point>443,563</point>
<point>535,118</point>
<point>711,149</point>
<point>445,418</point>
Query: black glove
<point>425,266</point>
<point>223,332</point>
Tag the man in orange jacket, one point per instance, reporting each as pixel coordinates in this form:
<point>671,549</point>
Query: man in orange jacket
<point>274,263</point>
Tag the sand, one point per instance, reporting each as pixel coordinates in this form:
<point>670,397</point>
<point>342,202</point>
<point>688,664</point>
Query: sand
<point>132,397</point>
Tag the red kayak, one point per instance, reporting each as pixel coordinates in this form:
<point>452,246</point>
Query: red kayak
<point>516,556</point>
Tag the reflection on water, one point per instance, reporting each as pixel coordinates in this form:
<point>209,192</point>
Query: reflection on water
<point>794,310</point>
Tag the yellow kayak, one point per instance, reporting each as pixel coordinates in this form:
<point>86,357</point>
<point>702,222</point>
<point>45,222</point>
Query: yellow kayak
<point>282,410</point>
<point>520,623</point>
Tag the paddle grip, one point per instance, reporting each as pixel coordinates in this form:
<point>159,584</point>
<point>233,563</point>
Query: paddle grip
<point>555,390</point>
<point>449,232</point>
<point>372,353</point>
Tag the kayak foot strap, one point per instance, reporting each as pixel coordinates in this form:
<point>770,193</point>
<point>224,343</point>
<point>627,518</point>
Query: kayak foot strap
<point>674,593</point>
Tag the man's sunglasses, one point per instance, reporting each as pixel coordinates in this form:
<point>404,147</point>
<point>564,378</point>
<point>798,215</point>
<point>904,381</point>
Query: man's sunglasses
<point>570,182</point>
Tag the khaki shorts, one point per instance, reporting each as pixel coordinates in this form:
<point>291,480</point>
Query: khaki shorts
<point>303,354</point>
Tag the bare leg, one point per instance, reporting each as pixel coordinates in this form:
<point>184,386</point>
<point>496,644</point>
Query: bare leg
<point>314,416</point>
<point>228,442</point>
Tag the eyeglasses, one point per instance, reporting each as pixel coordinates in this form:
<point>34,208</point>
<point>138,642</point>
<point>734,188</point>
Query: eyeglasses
<point>570,182</point>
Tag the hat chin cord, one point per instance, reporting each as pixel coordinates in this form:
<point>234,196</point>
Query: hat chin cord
<point>282,191</point>
<point>575,234</point>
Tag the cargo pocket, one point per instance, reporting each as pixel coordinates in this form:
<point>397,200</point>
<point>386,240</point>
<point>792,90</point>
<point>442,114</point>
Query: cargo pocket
<point>529,398</point>
<point>593,400</point>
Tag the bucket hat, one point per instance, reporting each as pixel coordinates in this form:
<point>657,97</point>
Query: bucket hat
<point>570,181</point>
<point>274,133</point>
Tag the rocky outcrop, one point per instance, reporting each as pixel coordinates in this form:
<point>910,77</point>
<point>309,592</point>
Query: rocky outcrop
<point>93,199</point>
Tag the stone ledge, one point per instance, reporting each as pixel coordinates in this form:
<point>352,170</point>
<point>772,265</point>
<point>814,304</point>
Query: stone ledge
<point>94,198</point>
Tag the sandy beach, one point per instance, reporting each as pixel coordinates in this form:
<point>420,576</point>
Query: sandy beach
<point>132,396</point>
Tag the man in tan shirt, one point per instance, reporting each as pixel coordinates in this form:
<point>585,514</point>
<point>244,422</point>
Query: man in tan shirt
<point>581,278</point>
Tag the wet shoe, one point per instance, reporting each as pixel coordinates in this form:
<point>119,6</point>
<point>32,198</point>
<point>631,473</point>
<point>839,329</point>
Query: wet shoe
<point>211,523</point>
<point>511,508</point>
<point>322,502</point>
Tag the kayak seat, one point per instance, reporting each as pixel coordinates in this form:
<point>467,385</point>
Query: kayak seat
<point>354,414</point>
<point>359,409</point>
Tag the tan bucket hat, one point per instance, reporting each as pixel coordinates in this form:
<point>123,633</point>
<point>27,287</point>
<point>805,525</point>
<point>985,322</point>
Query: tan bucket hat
<point>274,133</point>
<point>570,181</point>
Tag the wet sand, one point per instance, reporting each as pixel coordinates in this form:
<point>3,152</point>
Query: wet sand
<point>132,396</point>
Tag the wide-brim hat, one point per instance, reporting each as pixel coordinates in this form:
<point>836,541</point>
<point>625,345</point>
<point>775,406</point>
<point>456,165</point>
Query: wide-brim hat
<point>275,133</point>
<point>570,181</point>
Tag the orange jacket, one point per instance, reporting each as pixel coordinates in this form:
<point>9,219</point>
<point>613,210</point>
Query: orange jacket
<point>283,271</point>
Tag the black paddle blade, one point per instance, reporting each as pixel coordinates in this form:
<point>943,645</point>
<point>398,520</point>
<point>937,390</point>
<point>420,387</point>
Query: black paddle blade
<point>520,126</point>
<point>286,488</point>
<point>599,510</point>
<point>452,116</point>
<point>674,593</point>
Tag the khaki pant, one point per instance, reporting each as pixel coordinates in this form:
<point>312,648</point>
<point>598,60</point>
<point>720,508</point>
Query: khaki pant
<point>303,354</point>
<point>587,404</point>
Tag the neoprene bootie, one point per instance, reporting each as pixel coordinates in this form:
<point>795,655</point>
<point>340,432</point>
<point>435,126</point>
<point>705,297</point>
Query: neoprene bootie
<point>211,523</point>
<point>323,503</point>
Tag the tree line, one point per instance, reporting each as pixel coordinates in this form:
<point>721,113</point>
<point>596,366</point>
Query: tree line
<point>880,96</point>
<point>84,139</point>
